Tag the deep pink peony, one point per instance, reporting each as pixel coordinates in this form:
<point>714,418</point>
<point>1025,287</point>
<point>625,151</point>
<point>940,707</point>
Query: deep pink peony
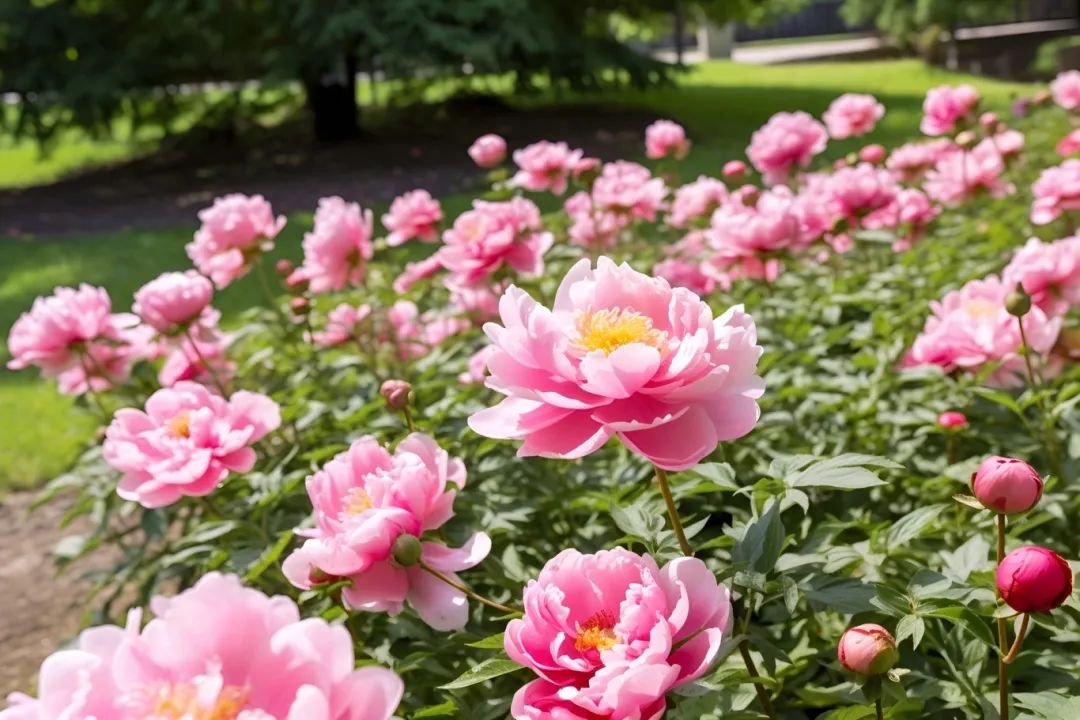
<point>909,214</point>
<point>1070,144</point>
<point>664,138</point>
<point>186,442</point>
<point>1066,89</point>
<point>609,634</point>
<point>970,328</point>
<point>952,420</point>
<point>1049,272</point>
<point>170,302</point>
<point>785,141</point>
<point>73,336</point>
<point>1006,485</point>
<point>338,247</point>
<point>852,115</point>
<point>873,154</point>
<point>960,175</point>
<point>696,200</point>
<point>1034,579</point>
<point>488,150</point>
<point>1056,191</point>
<point>685,274</point>
<point>343,325</point>
<point>626,188</point>
<point>493,235</point>
<point>545,166</point>
<point>218,651</point>
<point>364,500</point>
<point>946,105</point>
<point>621,353</point>
<point>235,229</point>
<point>413,215</point>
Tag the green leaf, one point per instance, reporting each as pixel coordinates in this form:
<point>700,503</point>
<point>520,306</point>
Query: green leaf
<point>269,556</point>
<point>968,620</point>
<point>911,626</point>
<point>445,709</point>
<point>491,642</point>
<point>912,525</point>
<point>762,542</point>
<point>490,668</point>
<point>843,472</point>
<point>717,477</point>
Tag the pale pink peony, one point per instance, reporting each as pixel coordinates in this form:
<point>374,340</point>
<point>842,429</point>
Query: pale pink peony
<point>488,150</point>
<point>909,214</point>
<point>623,354</point>
<point>970,328</point>
<point>1066,89</point>
<point>785,141</point>
<point>685,274</point>
<point>958,176</point>
<point>364,500</point>
<point>1009,143</point>
<point>666,138</point>
<point>609,634</point>
<point>1049,272</point>
<point>591,226</point>
<point>173,300</point>
<point>627,188</point>
<point>188,359</point>
<point>493,235</point>
<point>852,115</point>
<point>413,215</point>
<point>861,189</point>
<point>771,224</point>
<point>343,324</point>
<point>696,200</point>
<point>479,302</point>
<point>414,272</point>
<point>406,329</point>
<point>186,442</point>
<point>946,105</point>
<point>545,166</point>
<point>477,369</point>
<point>235,229</point>
<point>215,652</point>
<point>1056,191</point>
<point>909,162</point>
<point>74,336</point>
<point>1070,144</point>
<point>338,247</point>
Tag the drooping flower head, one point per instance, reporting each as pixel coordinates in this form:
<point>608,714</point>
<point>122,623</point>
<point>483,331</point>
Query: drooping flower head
<point>1066,89</point>
<point>364,500</point>
<point>620,353</point>
<point>413,215</point>
<point>488,150</point>
<point>235,229</point>
<point>609,634</point>
<point>945,106</point>
<point>666,138</point>
<point>787,140</point>
<point>186,442</point>
<point>1056,191</point>
<point>173,300</point>
<point>852,115</point>
<point>494,234</point>
<point>337,249</point>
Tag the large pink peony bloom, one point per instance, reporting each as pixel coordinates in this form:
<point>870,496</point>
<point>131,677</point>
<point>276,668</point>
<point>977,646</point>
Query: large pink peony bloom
<point>170,302</point>
<point>856,191</point>
<point>664,138</point>
<point>960,175</point>
<point>74,336</point>
<point>235,229</point>
<point>218,651</point>
<point>1056,191</point>
<point>186,442</point>
<point>610,634</point>
<point>343,324</point>
<point>970,328</point>
<point>770,224</point>
<point>364,500</point>
<point>852,115</point>
<point>1066,89</point>
<point>946,105</point>
<point>786,140</point>
<point>623,354</point>
<point>338,247</point>
<point>696,200</point>
<point>546,166</point>
<point>626,188</point>
<point>413,215</point>
<point>488,150</point>
<point>1070,144</point>
<point>1049,272</point>
<point>494,234</point>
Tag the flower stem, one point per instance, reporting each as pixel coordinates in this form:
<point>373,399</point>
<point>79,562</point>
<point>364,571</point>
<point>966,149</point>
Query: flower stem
<point>1003,633</point>
<point>1019,641</point>
<point>880,709</point>
<point>264,284</point>
<point>461,588</point>
<point>408,418</point>
<point>206,364</point>
<point>1049,432</point>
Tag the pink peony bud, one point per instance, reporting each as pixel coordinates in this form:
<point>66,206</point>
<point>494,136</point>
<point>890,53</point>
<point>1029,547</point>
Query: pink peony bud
<point>867,649</point>
<point>488,150</point>
<point>396,393</point>
<point>872,154</point>
<point>952,420</point>
<point>988,120</point>
<point>284,267</point>
<point>1034,579</point>
<point>300,306</point>
<point>734,169</point>
<point>1006,485</point>
<point>297,282</point>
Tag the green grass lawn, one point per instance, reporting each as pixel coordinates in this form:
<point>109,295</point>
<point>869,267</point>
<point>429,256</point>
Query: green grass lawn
<point>720,103</point>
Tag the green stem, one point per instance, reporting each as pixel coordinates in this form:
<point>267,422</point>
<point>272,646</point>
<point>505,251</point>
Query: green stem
<point>206,364</point>
<point>1003,633</point>
<point>1018,642</point>
<point>264,284</point>
<point>673,512</point>
<point>880,710</point>
<point>408,419</point>
<point>1049,431</point>
<point>461,588</point>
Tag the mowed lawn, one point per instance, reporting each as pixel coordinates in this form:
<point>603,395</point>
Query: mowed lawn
<point>720,103</point>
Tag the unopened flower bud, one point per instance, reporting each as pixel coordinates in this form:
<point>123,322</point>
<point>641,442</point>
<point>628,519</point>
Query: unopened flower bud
<point>297,282</point>
<point>872,154</point>
<point>396,393</point>
<point>734,169</point>
<point>952,420</point>
<point>300,306</point>
<point>1034,579</point>
<point>1018,302</point>
<point>988,120</point>
<point>406,550</point>
<point>321,577</point>
<point>868,650</point>
<point>1042,97</point>
<point>1006,485</point>
<point>966,139</point>
<point>284,267</point>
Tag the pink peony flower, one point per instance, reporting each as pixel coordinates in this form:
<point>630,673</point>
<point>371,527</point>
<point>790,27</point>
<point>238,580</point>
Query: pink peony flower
<point>1066,89</point>
<point>494,234</point>
<point>909,162</point>
<point>1070,144</point>
<point>1049,272</point>
<point>958,176</point>
<point>188,359</point>
<point>1056,191</point>
<point>684,274</point>
<point>1006,485</point>
<point>873,154</point>
<point>343,325</point>
<point>696,200</point>
<point>852,115</point>
<point>609,634</point>
<point>413,215</point>
<point>186,442</point>
<point>867,649</point>
<point>664,138</point>
<point>338,247</point>
<point>235,229</point>
<point>591,226</point>
<point>545,166</point>
<point>786,140</point>
<point>734,169</point>
<point>414,272</point>
<point>952,420</point>
<point>970,328</point>
<point>771,224</point>
<point>861,189</point>
<point>488,150</point>
<point>623,354</point>
<point>74,336</point>
<point>1009,143</point>
<point>627,188</point>
<point>217,651</point>
<point>909,214</point>
<point>364,500</point>
<point>173,300</point>
<point>1034,579</point>
<point>946,105</point>
<point>477,369</point>
<point>479,302</point>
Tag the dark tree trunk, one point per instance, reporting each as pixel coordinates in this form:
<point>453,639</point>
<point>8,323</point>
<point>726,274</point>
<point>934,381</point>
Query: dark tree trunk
<point>680,30</point>
<point>331,98</point>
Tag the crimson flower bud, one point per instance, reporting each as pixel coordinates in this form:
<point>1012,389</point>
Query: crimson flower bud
<point>952,420</point>
<point>1006,485</point>
<point>396,393</point>
<point>734,169</point>
<point>1034,579</point>
<point>868,650</point>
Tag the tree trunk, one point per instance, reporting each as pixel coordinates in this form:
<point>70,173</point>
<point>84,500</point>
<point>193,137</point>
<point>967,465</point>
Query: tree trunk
<point>331,98</point>
<point>680,30</point>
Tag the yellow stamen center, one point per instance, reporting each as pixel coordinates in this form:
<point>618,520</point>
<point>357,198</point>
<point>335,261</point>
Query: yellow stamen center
<point>610,329</point>
<point>597,633</point>
<point>358,501</point>
<point>180,426</point>
<point>979,308</point>
<point>181,702</point>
